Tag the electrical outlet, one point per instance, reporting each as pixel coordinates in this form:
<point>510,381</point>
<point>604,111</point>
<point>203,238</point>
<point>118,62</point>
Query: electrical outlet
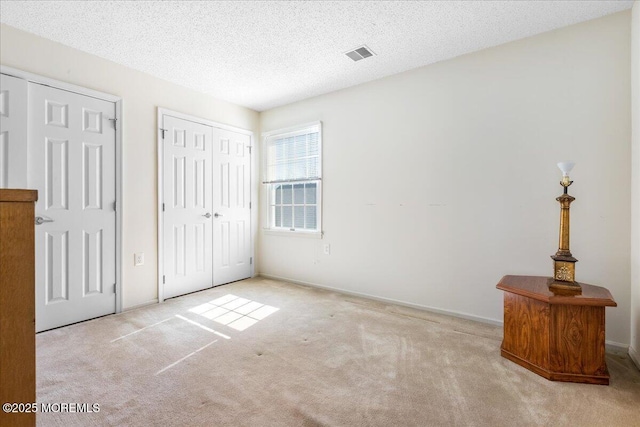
<point>138,259</point>
<point>327,249</point>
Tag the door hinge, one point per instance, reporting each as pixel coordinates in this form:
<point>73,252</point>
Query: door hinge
<point>163,207</point>
<point>249,149</point>
<point>251,260</point>
<point>115,287</point>
<point>115,206</point>
<point>163,131</point>
<point>249,205</point>
<point>164,278</point>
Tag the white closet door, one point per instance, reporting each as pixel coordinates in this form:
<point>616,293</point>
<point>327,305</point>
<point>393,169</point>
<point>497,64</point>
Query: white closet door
<point>72,165</point>
<point>187,200</point>
<point>231,205</point>
<point>13,132</point>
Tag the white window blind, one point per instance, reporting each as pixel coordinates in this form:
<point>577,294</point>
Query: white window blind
<point>292,175</point>
<point>293,157</point>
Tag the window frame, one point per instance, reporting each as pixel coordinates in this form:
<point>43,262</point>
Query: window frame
<point>269,224</point>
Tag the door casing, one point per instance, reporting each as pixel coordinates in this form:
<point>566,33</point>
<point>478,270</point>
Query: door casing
<point>165,111</point>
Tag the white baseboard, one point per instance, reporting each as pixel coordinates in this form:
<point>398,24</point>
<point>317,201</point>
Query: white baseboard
<point>616,347</point>
<point>144,304</point>
<point>635,356</point>
<point>389,300</point>
<point>611,346</point>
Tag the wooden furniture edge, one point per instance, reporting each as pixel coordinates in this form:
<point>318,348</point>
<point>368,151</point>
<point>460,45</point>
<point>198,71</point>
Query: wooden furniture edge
<point>556,376</point>
<point>557,299</point>
<point>16,195</point>
<point>17,315</point>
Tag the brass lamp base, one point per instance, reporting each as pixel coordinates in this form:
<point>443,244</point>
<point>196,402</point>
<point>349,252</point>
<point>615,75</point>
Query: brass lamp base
<point>564,267</point>
<point>564,288</point>
<point>563,281</point>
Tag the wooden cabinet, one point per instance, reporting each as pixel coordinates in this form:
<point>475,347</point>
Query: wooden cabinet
<point>17,304</point>
<point>558,337</point>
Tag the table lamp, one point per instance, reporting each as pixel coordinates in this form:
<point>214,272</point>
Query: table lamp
<point>564,264</point>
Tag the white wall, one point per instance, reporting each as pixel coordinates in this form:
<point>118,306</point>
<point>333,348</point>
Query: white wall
<point>634,351</point>
<point>440,180</point>
<point>141,95</point>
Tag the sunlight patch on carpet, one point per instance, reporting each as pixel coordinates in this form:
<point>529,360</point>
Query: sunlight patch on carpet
<point>200,325</point>
<point>233,311</point>
<point>184,358</point>
<point>141,329</point>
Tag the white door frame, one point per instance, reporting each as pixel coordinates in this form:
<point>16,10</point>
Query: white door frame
<point>161,112</point>
<point>35,78</point>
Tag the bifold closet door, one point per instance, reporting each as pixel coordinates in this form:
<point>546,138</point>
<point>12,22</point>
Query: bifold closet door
<point>72,164</point>
<point>13,132</point>
<point>206,206</point>
<point>187,229</point>
<point>232,206</point>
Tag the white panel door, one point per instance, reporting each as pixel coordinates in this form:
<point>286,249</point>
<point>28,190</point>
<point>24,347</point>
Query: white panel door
<point>72,165</point>
<point>187,217</point>
<point>231,205</point>
<point>13,132</point>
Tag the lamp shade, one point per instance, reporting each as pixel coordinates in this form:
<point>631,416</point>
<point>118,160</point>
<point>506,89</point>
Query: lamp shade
<point>566,167</point>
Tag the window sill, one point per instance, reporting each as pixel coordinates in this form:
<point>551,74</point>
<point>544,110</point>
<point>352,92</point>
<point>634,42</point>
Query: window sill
<point>285,233</point>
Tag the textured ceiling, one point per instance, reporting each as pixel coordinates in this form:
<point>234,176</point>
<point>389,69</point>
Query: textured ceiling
<point>262,54</point>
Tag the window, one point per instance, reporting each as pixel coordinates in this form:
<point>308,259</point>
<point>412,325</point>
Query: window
<point>293,174</point>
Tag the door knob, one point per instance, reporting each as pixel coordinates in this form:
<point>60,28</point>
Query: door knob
<point>41,220</point>
<point>217,214</point>
<point>207,215</point>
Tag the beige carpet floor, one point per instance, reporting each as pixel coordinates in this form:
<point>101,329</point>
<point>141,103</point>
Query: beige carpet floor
<point>266,353</point>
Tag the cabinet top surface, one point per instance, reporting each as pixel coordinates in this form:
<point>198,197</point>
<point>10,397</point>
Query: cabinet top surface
<point>536,287</point>
<point>11,195</point>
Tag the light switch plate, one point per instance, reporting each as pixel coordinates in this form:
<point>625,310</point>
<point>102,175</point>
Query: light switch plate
<point>138,259</point>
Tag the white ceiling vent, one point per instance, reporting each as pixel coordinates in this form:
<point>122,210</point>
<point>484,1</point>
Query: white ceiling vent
<point>360,53</point>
